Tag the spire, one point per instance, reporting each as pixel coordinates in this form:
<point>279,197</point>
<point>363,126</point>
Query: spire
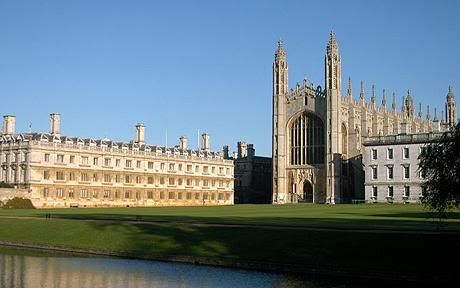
<point>361,91</point>
<point>332,46</point>
<point>349,92</point>
<point>420,110</point>
<point>435,115</point>
<point>384,99</point>
<point>373,95</point>
<point>280,53</point>
<point>403,107</point>
<point>442,116</point>
<point>333,66</point>
<point>393,105</point>
<point>450,94</point>
<point>428,116</point>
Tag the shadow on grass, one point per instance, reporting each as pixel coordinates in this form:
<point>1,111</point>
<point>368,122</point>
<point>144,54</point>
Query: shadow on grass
<point>420,215</point>
<point>373,252</point>
<point>352,253</point>
<point>423,222</point>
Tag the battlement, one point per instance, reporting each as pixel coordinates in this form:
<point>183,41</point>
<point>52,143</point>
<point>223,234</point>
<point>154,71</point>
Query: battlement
<point>306,89</point>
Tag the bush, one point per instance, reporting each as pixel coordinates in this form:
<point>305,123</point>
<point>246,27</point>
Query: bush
<point>6,185</point>
<point>19,203</point>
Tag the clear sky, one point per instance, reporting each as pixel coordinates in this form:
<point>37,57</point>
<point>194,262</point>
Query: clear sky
<point>180,66</point>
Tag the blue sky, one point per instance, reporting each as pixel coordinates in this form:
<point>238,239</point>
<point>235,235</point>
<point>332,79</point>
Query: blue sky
<point>180,66</point>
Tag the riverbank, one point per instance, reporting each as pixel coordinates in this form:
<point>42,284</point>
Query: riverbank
<point>379,248</point>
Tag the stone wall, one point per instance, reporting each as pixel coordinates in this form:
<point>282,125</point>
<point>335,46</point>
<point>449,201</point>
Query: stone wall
<point>10,193</point>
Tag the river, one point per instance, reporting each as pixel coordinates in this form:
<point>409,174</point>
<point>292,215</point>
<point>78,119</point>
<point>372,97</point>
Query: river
<point>29,268</point>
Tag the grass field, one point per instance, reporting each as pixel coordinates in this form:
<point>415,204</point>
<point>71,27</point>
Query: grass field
<point>404,217</point>
<point>379,239</point>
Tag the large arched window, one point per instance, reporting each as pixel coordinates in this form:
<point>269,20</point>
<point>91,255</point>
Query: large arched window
<point>306,140</point>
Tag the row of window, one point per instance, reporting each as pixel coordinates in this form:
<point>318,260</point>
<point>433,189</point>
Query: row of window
<point>390,192</point>
<point>14,157</point>
<point>13,175</point>
<point>134,195</point>
<point>107,162</point>
<point>390,172</point>
<point>390,154</point>
<point>129,179</point>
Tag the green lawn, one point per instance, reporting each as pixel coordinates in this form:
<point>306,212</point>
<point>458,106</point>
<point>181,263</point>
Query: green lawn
<point>397,240</point>
<point>408,217</point>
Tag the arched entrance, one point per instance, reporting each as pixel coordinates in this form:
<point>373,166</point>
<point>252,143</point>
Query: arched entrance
<point>307,192</point>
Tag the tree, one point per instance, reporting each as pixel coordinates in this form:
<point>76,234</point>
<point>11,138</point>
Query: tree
<point>440,167</point>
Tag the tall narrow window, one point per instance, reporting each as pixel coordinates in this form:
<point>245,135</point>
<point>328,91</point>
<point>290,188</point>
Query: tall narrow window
<point>374,154</point>
<point>390,191</point>
<point>390,172</point>
<point>406,153</point>
<point>374,191</point>
<point>390,153</point>
<point>374,173</point>
<point>407,191</point>
<point>406,172</point>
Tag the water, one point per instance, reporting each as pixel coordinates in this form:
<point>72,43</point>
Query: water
<point>22,268</point>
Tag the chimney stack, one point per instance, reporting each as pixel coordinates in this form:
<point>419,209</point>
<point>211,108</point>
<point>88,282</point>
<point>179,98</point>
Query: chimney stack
<point>55,123</point>
<point>242,149</point>
<point>140,134</point>
<point>205,144</point>
<point>225,150</point>
<point>251,151</point>
<point>183,142</point>
<point>9,123</point>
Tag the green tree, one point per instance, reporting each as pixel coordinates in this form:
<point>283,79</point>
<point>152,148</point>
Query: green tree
<point>440,167</point>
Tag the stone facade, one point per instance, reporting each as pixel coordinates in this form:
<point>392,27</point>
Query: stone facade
<point>318,134</point>
<point>253,176</point>
<point>391,166</point>
<point>61,171</point>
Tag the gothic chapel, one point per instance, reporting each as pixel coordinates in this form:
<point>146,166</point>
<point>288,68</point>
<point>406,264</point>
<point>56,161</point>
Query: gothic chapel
<point>318,134</point>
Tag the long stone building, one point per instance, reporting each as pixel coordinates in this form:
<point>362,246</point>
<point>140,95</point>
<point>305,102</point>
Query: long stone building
<point>61,171</point>
<point>318,133</point>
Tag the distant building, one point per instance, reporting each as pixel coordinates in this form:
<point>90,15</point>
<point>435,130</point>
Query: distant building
<point>253,175</point>
<point>62,171</point>
<point>391,166</point>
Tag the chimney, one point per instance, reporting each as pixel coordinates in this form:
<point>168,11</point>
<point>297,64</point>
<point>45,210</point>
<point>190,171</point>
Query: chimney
<point>9,123</point>
<point>140,134</point>
<point>242,150</point>
<point>205,145</point>
<point>183,142</point>
<point>251,151</point>
<point>55,123</point>
<point>225,150</point>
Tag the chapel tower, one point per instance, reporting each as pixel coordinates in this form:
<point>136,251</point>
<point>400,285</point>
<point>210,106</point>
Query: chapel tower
<point>451,109</point>
<point>280,92</point>
<point>333,70</point>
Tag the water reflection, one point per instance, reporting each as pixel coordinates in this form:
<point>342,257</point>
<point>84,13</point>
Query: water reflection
<point>30,269</point>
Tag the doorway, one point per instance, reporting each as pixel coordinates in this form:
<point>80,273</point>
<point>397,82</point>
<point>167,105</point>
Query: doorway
<point>307,192</point>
